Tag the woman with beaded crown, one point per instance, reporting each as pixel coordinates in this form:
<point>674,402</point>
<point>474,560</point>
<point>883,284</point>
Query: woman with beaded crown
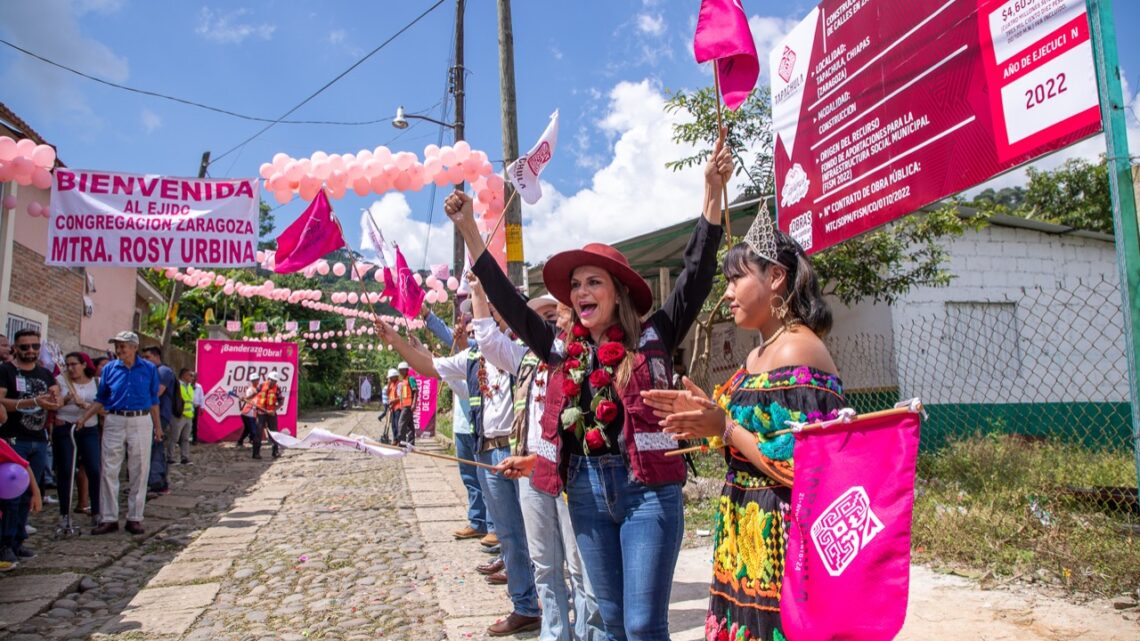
<point>600,443</point>
<point>789,377</point>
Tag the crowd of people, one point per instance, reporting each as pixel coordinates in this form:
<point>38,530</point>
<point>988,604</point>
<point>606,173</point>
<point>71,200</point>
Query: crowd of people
<point>570,400</point>
<point>74,425</point>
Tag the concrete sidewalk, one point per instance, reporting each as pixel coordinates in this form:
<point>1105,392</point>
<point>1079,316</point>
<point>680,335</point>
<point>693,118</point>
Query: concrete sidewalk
<point>943,607</point>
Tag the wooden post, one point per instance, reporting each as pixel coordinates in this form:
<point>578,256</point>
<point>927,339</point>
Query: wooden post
<point>509,108</point>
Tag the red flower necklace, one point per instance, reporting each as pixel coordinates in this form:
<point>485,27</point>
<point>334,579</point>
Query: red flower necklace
<point>603,407</point>
<point>487,391</point>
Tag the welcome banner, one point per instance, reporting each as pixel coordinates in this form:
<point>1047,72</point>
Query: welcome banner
<point>103,219</point>
<point>224,369</point>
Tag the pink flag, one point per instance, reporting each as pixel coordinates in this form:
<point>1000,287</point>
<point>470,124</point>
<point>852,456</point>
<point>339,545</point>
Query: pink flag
<point>233,326</point>
<point>261,327</point>
<point>314,325</point>
<point>405,295</point>
<point>723,35</point>
<point>314,234</point>
<point>441,271</point>
<point>848,561</point>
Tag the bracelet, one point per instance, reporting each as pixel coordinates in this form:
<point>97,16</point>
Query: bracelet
<point>729,426</point>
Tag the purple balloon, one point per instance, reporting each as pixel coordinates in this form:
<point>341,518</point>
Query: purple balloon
<point>14,480</point>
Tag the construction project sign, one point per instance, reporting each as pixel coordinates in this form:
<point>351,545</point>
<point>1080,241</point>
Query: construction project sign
<point>881,107</point>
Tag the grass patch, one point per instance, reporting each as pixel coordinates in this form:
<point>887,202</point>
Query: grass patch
<point>1000,505</point>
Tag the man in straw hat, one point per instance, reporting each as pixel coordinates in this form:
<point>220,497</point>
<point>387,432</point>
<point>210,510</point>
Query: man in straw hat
<point>128,393</point>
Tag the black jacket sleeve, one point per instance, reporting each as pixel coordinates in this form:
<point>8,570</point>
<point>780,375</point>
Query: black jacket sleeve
<point>530,327</point>
<point>680,310</point>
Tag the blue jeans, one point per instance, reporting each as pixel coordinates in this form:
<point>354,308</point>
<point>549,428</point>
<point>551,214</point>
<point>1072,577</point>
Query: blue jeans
<point>629,536</point>
<point>550,539</point>
<point>476,510</point>
<point>13,529</point>
<point>502,498</point>
<point>88,446</point>
<point>157,480</point>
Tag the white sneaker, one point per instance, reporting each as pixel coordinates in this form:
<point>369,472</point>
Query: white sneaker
<point>30,530</point>
<point>50,499</point>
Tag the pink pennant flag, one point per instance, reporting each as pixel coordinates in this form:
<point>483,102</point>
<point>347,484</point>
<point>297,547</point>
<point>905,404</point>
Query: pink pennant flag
<point>847,571</point>
<point>404,294</point>
<point>290,326</point>
<point>314,325</point>
<point>261,327</point>
<point>314,234</point>
<point>723,35</point>
<point>349,324</point>
<point>233,326</point>
<point>440,271</point>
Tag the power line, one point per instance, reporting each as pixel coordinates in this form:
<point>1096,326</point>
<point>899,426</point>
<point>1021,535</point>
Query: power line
<point>185,101</point>
<point>331,82</point>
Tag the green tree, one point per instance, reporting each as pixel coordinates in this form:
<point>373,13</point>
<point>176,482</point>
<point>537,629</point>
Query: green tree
<point>879,266</point>
<point>1074,194</point>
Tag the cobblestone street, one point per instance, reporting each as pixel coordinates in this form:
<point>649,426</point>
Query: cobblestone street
<point>340,546</point>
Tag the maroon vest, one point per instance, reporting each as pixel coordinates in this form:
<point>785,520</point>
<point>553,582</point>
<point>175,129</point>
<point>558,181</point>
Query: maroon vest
<point>643,445</point>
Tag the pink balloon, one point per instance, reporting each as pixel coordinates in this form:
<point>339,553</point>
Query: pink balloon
<point>338,269</point>
<point>337,191</point>
<point>266,170</point>
<point>35,209</point>
<point>25,147</point>
<point>9,201</point>
<point>441,297</point>
<point>336,161</point>
<point>337,178</point>
<point>268,285</point>
<point>283,196</point>
<point>353,298</point>
<point>485,195</point>
<point>403,181</point>
<point>228,290</point>
<point>419,279</point>
<point>333,345</point>
<point>431,281</point>
<point>431,151</point>
<point>7,148</point>
<point>452,283</point>
<point>430,297</point>
<point>7,171</point>
<point>294,171</point>
<point>441,179</point>
<point>44,156</point>
<point>447,156</point>
<point>405,160</point>
<point>495,183</point>
<point>382,155</point>
<point>323,268</point>
<point>378,276</point>
<point>355,171</point>
<point>321,169</point>
<point>462,150</point>
<point>455,174</point>
<point>361,186</point>
<point>379,183</point>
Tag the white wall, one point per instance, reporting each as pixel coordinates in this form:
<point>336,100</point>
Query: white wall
<point>1030,317</point>
<point>862,345</point>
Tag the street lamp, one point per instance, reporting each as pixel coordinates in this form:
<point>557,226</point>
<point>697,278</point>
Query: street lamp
<point>401,120</point>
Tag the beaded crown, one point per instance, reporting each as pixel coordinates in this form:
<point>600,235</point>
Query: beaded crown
<point>761,237</point>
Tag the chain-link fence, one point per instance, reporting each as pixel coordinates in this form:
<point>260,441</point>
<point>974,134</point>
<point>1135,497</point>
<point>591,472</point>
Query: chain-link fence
<point>1027,466</point>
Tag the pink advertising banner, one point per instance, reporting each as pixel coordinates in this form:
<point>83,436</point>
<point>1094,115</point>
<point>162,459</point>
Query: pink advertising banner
<point>881,107</point>
<point>224,369</point>
<point>425,400</point>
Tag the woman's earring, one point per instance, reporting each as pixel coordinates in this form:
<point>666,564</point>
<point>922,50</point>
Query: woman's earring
<point>780,309</point>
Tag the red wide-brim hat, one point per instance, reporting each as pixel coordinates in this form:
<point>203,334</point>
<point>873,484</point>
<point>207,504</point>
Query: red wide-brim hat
<point>556,273</point>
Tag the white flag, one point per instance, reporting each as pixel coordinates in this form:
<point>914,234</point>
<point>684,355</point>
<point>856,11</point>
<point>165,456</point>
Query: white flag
<point>320,439</point>
<point>523,173</point>
<point>371,239</point>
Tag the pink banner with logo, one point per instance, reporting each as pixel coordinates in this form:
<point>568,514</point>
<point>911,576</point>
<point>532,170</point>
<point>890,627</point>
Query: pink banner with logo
<point>224,370</point>
<point>426,397</point>
<point>847,571</point>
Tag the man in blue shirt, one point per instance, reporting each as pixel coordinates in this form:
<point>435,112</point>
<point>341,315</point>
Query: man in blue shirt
<point>158,482</point>
<point>128,393</point>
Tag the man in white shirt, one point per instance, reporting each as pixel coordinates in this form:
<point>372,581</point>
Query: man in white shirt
<point>492,414</point>
<point>549,535</point>
<point>199,400</point>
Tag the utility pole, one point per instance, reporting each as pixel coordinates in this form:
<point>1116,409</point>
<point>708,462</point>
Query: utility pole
<point>457,92</point>
<point>176,291</point>
<point>513,211</point>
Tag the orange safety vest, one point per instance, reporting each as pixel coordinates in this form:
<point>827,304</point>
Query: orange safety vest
<point>267,396</point>
<point>403,393</point>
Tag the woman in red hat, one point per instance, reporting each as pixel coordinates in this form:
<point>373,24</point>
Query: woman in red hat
<point>600,442</point>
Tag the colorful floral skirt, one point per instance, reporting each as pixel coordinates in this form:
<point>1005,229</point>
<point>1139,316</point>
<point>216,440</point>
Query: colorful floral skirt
<point>748,560</point>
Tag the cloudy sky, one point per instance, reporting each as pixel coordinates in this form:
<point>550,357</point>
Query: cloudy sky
<point>605,65</point>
